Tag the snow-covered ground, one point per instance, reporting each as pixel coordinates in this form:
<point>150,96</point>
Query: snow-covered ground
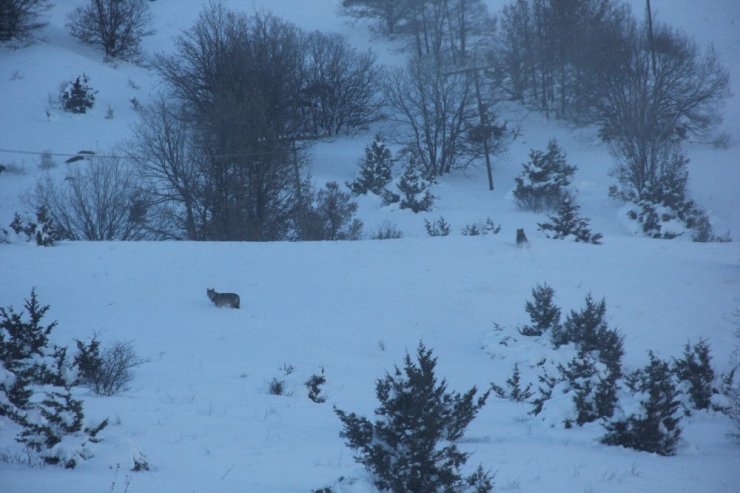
<point>199,408</point>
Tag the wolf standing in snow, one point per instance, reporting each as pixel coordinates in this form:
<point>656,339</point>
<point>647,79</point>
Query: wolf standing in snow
<point>521,238</point>
<point>221,299</point>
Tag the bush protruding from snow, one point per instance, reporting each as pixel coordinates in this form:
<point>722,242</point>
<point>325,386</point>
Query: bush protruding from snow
<point>483,228</point>
<point>107,372</point>
<point>44,230</point>
<point>330,216</point>
<point>411,444</point>
<point>438,227</point>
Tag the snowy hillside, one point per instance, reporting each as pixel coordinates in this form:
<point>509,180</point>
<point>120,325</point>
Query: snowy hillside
<point>199,408</point>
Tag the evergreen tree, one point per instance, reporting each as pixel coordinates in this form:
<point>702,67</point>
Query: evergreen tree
<point>593,385</point>
<point>567,224</point>
<point>542,183</point>
<point>589,330</point>
<point>411,445</point>
<point>695,369</point>
<point>88,360</point>
<point>24,352</point>
<point>62,419</point>
<point>315,392</point>
<point>415,189</point>
<point>19,18</point>
<point>77,96</point>
<point>655,428</point>
<point>375,169</point>
<point>53,427</point>
<point>542,312</point>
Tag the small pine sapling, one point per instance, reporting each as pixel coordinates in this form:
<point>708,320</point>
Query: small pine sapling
<point>276,387</point>
<point>414,189</point>
<point>77,96</point>
<point>315,392</point>
<point>375,168</point>
<point>567,224</point>
<point>484,228</point>
<point>543,313</point>
<point>515,392</point>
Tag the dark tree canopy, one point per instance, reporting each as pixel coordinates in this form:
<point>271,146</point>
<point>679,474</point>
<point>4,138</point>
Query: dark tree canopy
<point>19,18</point>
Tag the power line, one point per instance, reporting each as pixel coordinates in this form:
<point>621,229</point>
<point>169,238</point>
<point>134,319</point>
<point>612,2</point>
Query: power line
<point>91,154</point>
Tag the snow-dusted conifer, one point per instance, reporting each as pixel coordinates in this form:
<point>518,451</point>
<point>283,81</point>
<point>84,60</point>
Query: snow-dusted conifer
<point>589,330</point>
<point>567,224</point>
<point>694,370</point>
<point>543,313</point>
<point>542,183</point>
<point>655,427</point>
<point>56,433</point>
<point>411,444</point>
<point>375,169</point>
<point>414,188</point>
<point>77,96</point>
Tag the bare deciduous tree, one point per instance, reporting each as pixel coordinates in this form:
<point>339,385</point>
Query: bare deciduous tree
<point>646,109</point>
<point>116,25</point>
<point>437,111</point>
<point>172,169</point>
<point>239,80</point>
<point>100,200</point>
<point>340,89</point>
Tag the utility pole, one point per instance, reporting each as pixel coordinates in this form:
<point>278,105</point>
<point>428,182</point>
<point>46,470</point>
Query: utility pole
<point>651,41</point>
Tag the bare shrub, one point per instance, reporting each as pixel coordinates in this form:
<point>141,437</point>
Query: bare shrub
<point>114,370</point>
<point>387,231</point>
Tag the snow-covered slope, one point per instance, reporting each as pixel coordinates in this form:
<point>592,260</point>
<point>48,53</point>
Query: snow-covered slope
<point>199,408</point>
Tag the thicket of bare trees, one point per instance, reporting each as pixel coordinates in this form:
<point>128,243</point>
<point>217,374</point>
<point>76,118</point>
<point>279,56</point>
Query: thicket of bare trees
<point>549,51</point>
<point>99,200</point>
<point>222,159</point>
